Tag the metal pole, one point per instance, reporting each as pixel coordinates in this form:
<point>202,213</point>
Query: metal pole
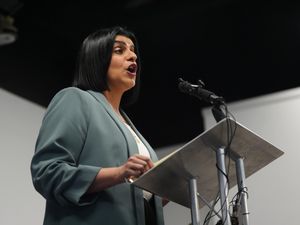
<point>223,185</point>
<point>194,202</point>
<point>240,175</point>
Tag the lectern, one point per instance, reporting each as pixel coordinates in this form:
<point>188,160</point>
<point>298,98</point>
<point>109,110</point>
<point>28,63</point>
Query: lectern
<point>194,174</point>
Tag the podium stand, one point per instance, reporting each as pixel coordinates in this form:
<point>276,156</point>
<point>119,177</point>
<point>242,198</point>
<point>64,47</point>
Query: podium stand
<point>194,174</point>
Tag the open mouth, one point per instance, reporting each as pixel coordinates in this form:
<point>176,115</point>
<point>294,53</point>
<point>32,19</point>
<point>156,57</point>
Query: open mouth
<point>132,68</point>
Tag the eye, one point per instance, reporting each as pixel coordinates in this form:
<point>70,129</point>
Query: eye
<point>118,50</point>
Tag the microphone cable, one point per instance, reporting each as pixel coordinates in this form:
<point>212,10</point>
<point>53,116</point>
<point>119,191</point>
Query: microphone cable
<point>220,111</point>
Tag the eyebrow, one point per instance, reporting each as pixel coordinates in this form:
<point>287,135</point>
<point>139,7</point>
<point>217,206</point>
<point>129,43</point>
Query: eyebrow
<point>123,43</point>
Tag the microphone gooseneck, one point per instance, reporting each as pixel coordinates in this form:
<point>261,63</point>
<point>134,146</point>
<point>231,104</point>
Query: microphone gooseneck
<point>199,92</point>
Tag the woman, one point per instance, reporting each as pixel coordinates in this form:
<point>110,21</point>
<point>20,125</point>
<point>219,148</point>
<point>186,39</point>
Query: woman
<point>87,147</point>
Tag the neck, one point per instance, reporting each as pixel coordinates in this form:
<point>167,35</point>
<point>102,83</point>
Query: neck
<point>114,99</point>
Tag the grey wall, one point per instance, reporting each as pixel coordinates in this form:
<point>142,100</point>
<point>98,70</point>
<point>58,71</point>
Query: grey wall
<point>274,190</point>
<point>19,124</point>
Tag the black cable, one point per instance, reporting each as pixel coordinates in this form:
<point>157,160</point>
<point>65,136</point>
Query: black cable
<point>230,135</point>
<point>230,131</point>
<point>219,106</point>
<point>209,214</point>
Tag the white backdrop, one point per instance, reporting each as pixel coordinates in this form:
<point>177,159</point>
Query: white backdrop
<point>19,124</point>
<point>274,190</point>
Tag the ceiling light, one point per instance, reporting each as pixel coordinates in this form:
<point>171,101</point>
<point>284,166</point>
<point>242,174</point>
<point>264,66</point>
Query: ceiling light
<point>8,32</point>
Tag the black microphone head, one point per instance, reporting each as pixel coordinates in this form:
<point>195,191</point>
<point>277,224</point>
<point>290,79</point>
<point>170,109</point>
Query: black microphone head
<point>187,87</point>
<point>181,83</point>
<point>180,79</point>
<point>199,92</point>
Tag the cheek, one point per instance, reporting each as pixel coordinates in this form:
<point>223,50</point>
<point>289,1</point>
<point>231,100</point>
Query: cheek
<point>113,69</point>
<point>116,63</point>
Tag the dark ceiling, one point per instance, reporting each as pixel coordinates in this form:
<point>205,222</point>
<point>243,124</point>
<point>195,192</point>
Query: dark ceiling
<point>240,49</point>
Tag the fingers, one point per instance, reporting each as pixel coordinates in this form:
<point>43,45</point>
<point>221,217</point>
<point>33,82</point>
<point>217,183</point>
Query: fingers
<point>145,159</point>
<point>150,164</point>
<point>136,165</point>
<point>138,159</point>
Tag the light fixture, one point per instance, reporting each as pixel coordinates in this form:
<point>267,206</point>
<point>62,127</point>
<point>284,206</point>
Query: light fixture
<point>8,32</point>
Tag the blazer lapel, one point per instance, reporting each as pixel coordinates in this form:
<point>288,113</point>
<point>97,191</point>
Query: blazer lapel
<point>132,149</point>
<point>131,144</point>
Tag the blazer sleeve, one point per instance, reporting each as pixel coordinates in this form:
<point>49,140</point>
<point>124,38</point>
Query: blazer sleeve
<point>55,170</point>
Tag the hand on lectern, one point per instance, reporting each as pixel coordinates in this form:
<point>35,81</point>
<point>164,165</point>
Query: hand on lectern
<point>135,166</point>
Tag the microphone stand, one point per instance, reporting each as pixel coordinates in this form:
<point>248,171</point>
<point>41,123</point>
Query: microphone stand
<point>221,152</point>
<point>240,214</point>
<point>218,112</point>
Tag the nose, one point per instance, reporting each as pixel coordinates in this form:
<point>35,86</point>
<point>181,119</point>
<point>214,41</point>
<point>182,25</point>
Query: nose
<point>132,56</point>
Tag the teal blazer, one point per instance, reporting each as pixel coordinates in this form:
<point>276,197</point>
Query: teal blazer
<point>80,134</point>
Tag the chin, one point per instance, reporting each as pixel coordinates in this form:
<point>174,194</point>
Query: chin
<point>130,84</point>
<point>133,83</point>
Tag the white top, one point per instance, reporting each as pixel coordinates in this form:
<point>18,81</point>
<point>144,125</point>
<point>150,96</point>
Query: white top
<point>142,148</point>
<point>142,151</point>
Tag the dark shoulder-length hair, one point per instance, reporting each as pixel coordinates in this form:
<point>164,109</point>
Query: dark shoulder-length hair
<point>94,59</point>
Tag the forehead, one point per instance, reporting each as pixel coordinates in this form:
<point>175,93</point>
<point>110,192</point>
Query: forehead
<point>123,39</point>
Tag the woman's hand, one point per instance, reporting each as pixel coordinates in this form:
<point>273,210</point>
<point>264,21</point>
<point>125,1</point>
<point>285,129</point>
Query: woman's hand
<point>135,166</point>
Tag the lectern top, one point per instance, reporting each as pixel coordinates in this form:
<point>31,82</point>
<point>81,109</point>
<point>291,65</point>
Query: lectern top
<point>197,159</point>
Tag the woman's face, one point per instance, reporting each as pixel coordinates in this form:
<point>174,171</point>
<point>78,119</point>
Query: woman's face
<point>122,70</point>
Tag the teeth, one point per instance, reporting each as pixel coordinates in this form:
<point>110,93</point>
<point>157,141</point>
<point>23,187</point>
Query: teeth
<point>132,68</point>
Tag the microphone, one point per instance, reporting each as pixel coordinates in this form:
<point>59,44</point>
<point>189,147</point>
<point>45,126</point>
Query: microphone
<point>199,92</point>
